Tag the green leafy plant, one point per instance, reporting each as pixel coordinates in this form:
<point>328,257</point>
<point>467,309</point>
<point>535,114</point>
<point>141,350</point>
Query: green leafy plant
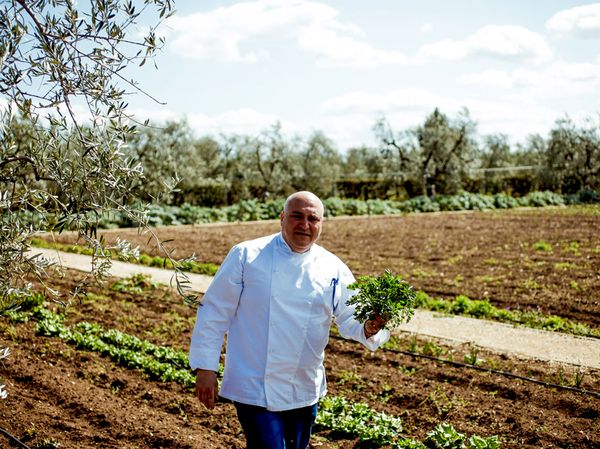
<point>472,357</point>
<point>137,283</point>
<point>477,442</point>
<point>387,295</point>
<point>445,436</point>
<point>358,419</point>
<point>541,245</point>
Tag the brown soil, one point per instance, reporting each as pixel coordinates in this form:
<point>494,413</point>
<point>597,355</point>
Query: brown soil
<point>481,255</point>
<point>82,400</point>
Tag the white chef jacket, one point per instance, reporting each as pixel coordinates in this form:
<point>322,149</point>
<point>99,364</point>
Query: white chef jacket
<point>276,307</point>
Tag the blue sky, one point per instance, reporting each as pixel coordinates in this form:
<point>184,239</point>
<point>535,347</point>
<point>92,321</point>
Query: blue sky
<point>337,66</point>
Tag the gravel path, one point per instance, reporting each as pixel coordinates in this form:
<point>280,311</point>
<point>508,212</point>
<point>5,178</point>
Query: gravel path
<point>504,338</point>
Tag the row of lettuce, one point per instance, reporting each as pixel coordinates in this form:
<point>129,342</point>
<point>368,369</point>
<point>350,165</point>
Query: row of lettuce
<point>354,419</point>
<point>253,210</point>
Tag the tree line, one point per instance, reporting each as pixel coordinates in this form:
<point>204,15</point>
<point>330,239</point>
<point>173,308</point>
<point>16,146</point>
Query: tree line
<point>444,155</point>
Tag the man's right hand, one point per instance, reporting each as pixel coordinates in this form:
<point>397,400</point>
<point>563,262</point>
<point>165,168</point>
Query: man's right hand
<point>207,387</point>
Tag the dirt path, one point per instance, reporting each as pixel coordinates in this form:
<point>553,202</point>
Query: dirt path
<point>519,341</point>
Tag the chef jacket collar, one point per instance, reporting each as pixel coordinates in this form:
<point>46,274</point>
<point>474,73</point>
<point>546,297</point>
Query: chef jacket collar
<point>285,248</point>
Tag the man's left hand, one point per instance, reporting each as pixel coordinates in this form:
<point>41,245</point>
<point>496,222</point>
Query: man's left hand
<point>374,325</point>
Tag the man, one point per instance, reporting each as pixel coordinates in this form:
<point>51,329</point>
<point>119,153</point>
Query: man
<point>275,297</point>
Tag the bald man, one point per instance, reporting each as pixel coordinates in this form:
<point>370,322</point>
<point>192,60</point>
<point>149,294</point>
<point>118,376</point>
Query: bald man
<point>275,297</point>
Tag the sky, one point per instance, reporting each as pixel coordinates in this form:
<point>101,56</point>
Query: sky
<point>338,66</point>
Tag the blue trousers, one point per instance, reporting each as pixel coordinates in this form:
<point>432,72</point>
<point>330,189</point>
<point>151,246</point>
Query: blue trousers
<point>264,429</point>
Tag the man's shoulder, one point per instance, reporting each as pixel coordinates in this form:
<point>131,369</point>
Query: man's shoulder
<point>256,244</point>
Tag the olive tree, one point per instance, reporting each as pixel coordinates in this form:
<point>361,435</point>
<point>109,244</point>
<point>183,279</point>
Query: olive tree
<point>319,166</point>
<point>436,155</point>
<point>494,161</point>
<point>166,154</point>
<point>273,162</point>
<point>400,158</point>
<point>64,126</point>
<point>572,159</point>
<point>446,149</point>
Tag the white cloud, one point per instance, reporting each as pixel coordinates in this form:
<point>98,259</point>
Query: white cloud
<point>582,21</point>
<point>392,101</point>
<point>489,78</point>
<point>349,118</point>
<point>238,33</point>
<point>159,115</point>
<point>236,121</point>
<point>426,28</point>
<point>239,121</point>
<point>517,120</point>
<point>556,80</point>
<point>510,41</point>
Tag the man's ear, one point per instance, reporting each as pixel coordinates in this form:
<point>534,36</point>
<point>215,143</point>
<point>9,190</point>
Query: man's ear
<point>281,215</point>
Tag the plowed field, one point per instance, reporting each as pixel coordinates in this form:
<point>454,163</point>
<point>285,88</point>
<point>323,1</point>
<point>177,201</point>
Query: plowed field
<point>60,394</point>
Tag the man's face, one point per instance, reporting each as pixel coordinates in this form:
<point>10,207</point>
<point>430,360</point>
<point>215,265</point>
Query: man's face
<point>301,223</point>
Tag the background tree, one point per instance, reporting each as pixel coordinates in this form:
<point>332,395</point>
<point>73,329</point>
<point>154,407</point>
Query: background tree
<point>236,167</point>
<point>400,159</point>
<point>206,184</point>
<point>167,156</point>
<point>320,166</point>
<point>446,149</point>
<point>273,162</point>
<point>435,157</point>
<point>362,171</point>
<point>58,58</point>
<point>494,163</point>
<point>573,156</point>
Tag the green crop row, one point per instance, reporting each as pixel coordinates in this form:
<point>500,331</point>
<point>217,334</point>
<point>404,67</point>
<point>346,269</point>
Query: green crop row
<point>253,210</point>
<point>208,269</point>
<point>463,305</point>
<point>357,419</point>
<point>159,363</point>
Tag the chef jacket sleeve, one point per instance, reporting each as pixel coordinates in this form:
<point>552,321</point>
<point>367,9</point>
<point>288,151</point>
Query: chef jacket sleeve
<point>215,312</point>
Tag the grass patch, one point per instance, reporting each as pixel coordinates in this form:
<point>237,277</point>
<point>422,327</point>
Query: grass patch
<point>487,279</point>
<point>541,245</point>
<point>565,266</point>
<point>208,269</point>
<point>572,247</point>
<point>530,284</point>
<point>463,305</point>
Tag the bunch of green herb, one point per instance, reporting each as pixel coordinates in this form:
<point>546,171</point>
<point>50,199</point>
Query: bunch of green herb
<point>388,296</point>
